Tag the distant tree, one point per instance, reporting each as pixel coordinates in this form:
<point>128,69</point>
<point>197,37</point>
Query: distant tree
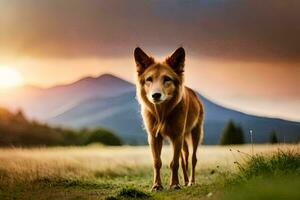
<point>273,137</point>
<point>239,136</point>
<point>226,137</point>
<point>72,138</point>
<point>232,134</point>
<point>103,136</point>
<point>19,114</point>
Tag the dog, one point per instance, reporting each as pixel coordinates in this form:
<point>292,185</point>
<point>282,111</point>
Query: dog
<point>169,110</point>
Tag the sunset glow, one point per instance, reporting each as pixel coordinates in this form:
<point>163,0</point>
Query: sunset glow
<point>238,55</point>
<point>9,78</point>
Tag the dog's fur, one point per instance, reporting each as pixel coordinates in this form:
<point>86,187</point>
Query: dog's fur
<point>176,114</point>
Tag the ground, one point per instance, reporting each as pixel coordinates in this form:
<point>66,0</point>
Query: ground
<point>98,172</point>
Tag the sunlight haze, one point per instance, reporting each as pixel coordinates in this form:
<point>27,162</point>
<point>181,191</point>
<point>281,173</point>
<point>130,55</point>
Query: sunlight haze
<point>9,78</point>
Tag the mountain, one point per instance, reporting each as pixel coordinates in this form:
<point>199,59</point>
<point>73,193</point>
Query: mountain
<point>118,113</point>
<point>44,103</point>
<point>110,102</point>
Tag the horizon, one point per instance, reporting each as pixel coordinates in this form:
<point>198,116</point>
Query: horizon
<point>133,83</point>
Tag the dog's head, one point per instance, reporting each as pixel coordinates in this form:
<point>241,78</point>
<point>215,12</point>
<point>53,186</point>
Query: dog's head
<point>160,81</point>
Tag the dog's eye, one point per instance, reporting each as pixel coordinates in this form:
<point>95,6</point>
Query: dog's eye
<point>149,79</point>
<point>167,79</point>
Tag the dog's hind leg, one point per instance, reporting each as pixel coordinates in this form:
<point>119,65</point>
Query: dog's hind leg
<point>156,146</point>
<point>196,137</point>
<point>185,161</point>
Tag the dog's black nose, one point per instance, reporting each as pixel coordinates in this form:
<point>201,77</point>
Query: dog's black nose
<point>156,96</point>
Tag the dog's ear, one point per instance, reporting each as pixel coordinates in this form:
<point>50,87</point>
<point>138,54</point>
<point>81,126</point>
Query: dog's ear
<point>142,60</point>
<point>176,60</point>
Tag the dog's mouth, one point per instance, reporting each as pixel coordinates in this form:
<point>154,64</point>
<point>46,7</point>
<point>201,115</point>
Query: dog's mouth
<point>157,101</point>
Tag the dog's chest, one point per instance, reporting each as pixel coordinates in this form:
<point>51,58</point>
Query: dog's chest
<point>169,128</point>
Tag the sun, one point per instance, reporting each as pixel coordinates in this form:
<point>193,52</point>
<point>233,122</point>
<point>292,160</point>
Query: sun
<point>10,78</point>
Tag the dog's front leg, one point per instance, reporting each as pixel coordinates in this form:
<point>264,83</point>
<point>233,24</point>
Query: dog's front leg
<point>156,146</point>
<point>177,145</point>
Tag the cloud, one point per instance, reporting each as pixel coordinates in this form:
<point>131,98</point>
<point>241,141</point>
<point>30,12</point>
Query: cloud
<point>250,30</point>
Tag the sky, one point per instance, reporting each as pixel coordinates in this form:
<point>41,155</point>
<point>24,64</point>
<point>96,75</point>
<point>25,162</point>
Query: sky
<point>241,54</point>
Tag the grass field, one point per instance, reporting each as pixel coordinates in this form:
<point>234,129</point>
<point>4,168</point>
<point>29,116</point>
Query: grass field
<point>98,172</point>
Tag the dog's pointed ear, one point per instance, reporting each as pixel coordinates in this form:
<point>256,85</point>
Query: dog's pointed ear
<point>142,60</point>
<point>176,60</point>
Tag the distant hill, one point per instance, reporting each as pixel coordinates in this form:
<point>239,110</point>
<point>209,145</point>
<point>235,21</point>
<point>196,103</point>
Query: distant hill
<point>16,130</point>
<point>110,102</point>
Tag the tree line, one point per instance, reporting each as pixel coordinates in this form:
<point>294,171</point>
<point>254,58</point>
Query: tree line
<point>17,130</point>
<point>234,134</point>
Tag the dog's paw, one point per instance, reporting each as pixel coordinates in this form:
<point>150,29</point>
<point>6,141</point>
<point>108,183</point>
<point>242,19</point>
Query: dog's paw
<point>157,187</point>
<point>191,184</point>
<point>175,187</point>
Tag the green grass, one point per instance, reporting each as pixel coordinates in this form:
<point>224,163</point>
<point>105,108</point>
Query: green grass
<point>266,177</point>
<point>280,163</point>
<point>267,188</point>
<point>262,176</point>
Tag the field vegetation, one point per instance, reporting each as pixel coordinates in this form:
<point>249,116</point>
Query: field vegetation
<point>101,172</point>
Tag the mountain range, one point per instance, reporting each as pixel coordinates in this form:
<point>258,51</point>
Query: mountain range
<point>109,101</point>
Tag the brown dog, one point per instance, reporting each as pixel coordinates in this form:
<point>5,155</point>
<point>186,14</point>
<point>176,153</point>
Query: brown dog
<point>169,109</point>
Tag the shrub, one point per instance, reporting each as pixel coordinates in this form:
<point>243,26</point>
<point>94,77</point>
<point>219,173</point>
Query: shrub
<point>103,136</point>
